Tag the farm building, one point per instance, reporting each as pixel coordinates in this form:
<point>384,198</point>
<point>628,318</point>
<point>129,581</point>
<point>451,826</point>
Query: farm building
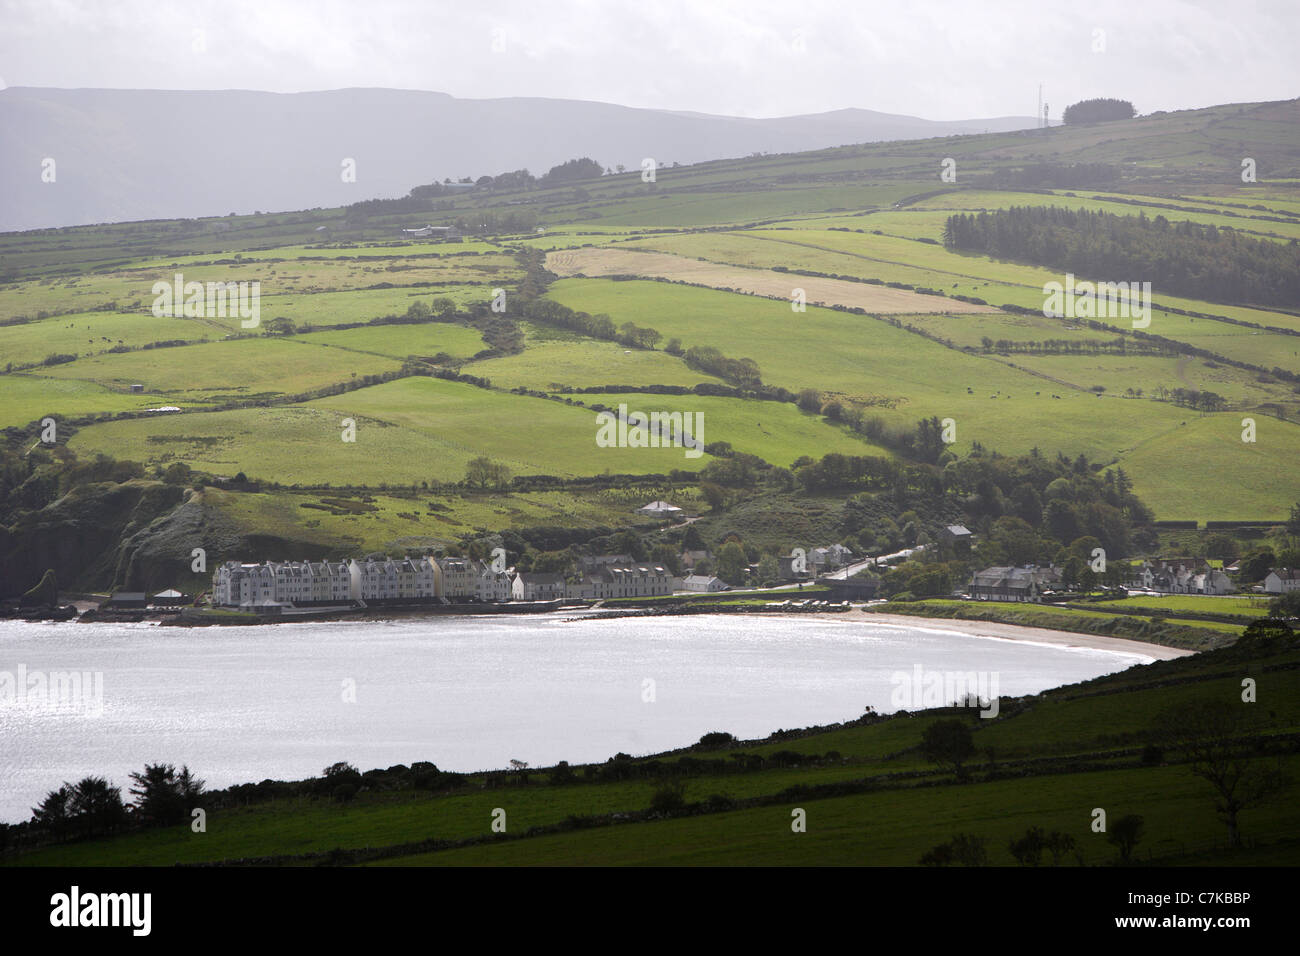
<point>659,509</point>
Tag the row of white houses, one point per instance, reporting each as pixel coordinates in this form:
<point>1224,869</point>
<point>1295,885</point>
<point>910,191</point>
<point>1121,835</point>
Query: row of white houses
<point>1181,576</point>
<point>425,579</point>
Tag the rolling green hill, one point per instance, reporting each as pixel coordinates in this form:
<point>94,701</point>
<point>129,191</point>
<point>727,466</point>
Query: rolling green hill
<point>863,221</point>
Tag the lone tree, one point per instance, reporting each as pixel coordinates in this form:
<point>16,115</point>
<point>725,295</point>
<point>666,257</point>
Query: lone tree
<point>483,472</point>
<point>948,743</point>
<point>1126,833</point>
<point>1097,111</point>
<point>1220,740</point>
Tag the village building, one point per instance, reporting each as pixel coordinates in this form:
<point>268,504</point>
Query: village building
<point>1012,584</point>
<point>1181,576</point>
<point>701,582</point>
<point>1282,581</point>
<point>956,535</point>
<point>494,587</point>
<point>459,578</point>
<point>619,581</point>
<point>829,558</point>
<point>690,558</point>
<point>538,586</point>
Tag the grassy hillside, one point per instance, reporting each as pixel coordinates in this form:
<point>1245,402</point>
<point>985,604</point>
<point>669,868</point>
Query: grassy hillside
<point>868,220</point>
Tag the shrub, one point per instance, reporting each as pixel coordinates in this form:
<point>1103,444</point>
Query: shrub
<point>670,798</point>
<point>344,792</point>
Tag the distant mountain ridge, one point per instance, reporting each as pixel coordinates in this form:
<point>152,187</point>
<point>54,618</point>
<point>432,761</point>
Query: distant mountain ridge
<point>124,155</point>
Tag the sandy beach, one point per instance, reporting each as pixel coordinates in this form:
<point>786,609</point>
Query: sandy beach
<point>1017,632</point>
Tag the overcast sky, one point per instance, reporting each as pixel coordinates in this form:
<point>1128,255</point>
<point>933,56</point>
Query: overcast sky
<point>937,60</point>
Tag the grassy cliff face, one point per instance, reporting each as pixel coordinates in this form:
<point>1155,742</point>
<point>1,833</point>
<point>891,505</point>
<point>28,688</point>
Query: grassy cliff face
<point>869,793</point>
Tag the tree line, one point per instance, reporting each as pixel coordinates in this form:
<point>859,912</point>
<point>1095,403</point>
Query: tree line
<point>1208,262</point>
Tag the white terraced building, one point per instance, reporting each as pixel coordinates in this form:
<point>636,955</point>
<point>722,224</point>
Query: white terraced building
<point>237,584</point>
<point>631,580</point>
<point>459,578</point>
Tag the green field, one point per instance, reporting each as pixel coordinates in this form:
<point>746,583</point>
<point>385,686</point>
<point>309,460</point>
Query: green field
<point>226,371</point>
<point>856,211</point>
<point>554,360</point>
<point>90,333</point>
<point>424,429</point>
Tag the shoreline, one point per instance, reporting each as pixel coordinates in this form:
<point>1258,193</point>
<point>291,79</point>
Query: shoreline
<point>858,615</point>
<point>1021,632</point>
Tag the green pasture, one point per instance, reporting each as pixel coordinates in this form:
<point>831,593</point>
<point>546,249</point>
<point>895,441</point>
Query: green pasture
<point>399,341</point>
<point>337,308</point>
<point>553,359</point>
<point>26,398</point>
<point>423,517</point>
<point>1201,603</point>
<point>1177,472</point>
<point>777,432</point>
<point>226,371</point>
<point>89,333</point>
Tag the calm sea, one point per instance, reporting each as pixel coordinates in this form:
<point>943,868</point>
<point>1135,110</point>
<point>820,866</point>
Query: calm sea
<point>283,701</point>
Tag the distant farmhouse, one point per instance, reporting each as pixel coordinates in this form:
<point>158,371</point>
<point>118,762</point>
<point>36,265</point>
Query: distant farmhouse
<point>1282,581</point>
<point>436,232</point>
<point>659,509</point>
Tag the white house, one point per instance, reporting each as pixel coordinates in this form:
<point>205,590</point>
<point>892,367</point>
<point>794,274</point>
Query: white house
<point>538,586</point>
<point>1181,576</point>
<point>494,586</point>
<point>459,578</point>
<point>701,582</point>
<point>659,509</point>
<point>619,581</point>
<point>237,584</point>
<point>1282,581</point>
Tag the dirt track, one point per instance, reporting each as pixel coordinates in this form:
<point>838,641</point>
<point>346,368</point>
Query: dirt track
<point>597,262</point>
